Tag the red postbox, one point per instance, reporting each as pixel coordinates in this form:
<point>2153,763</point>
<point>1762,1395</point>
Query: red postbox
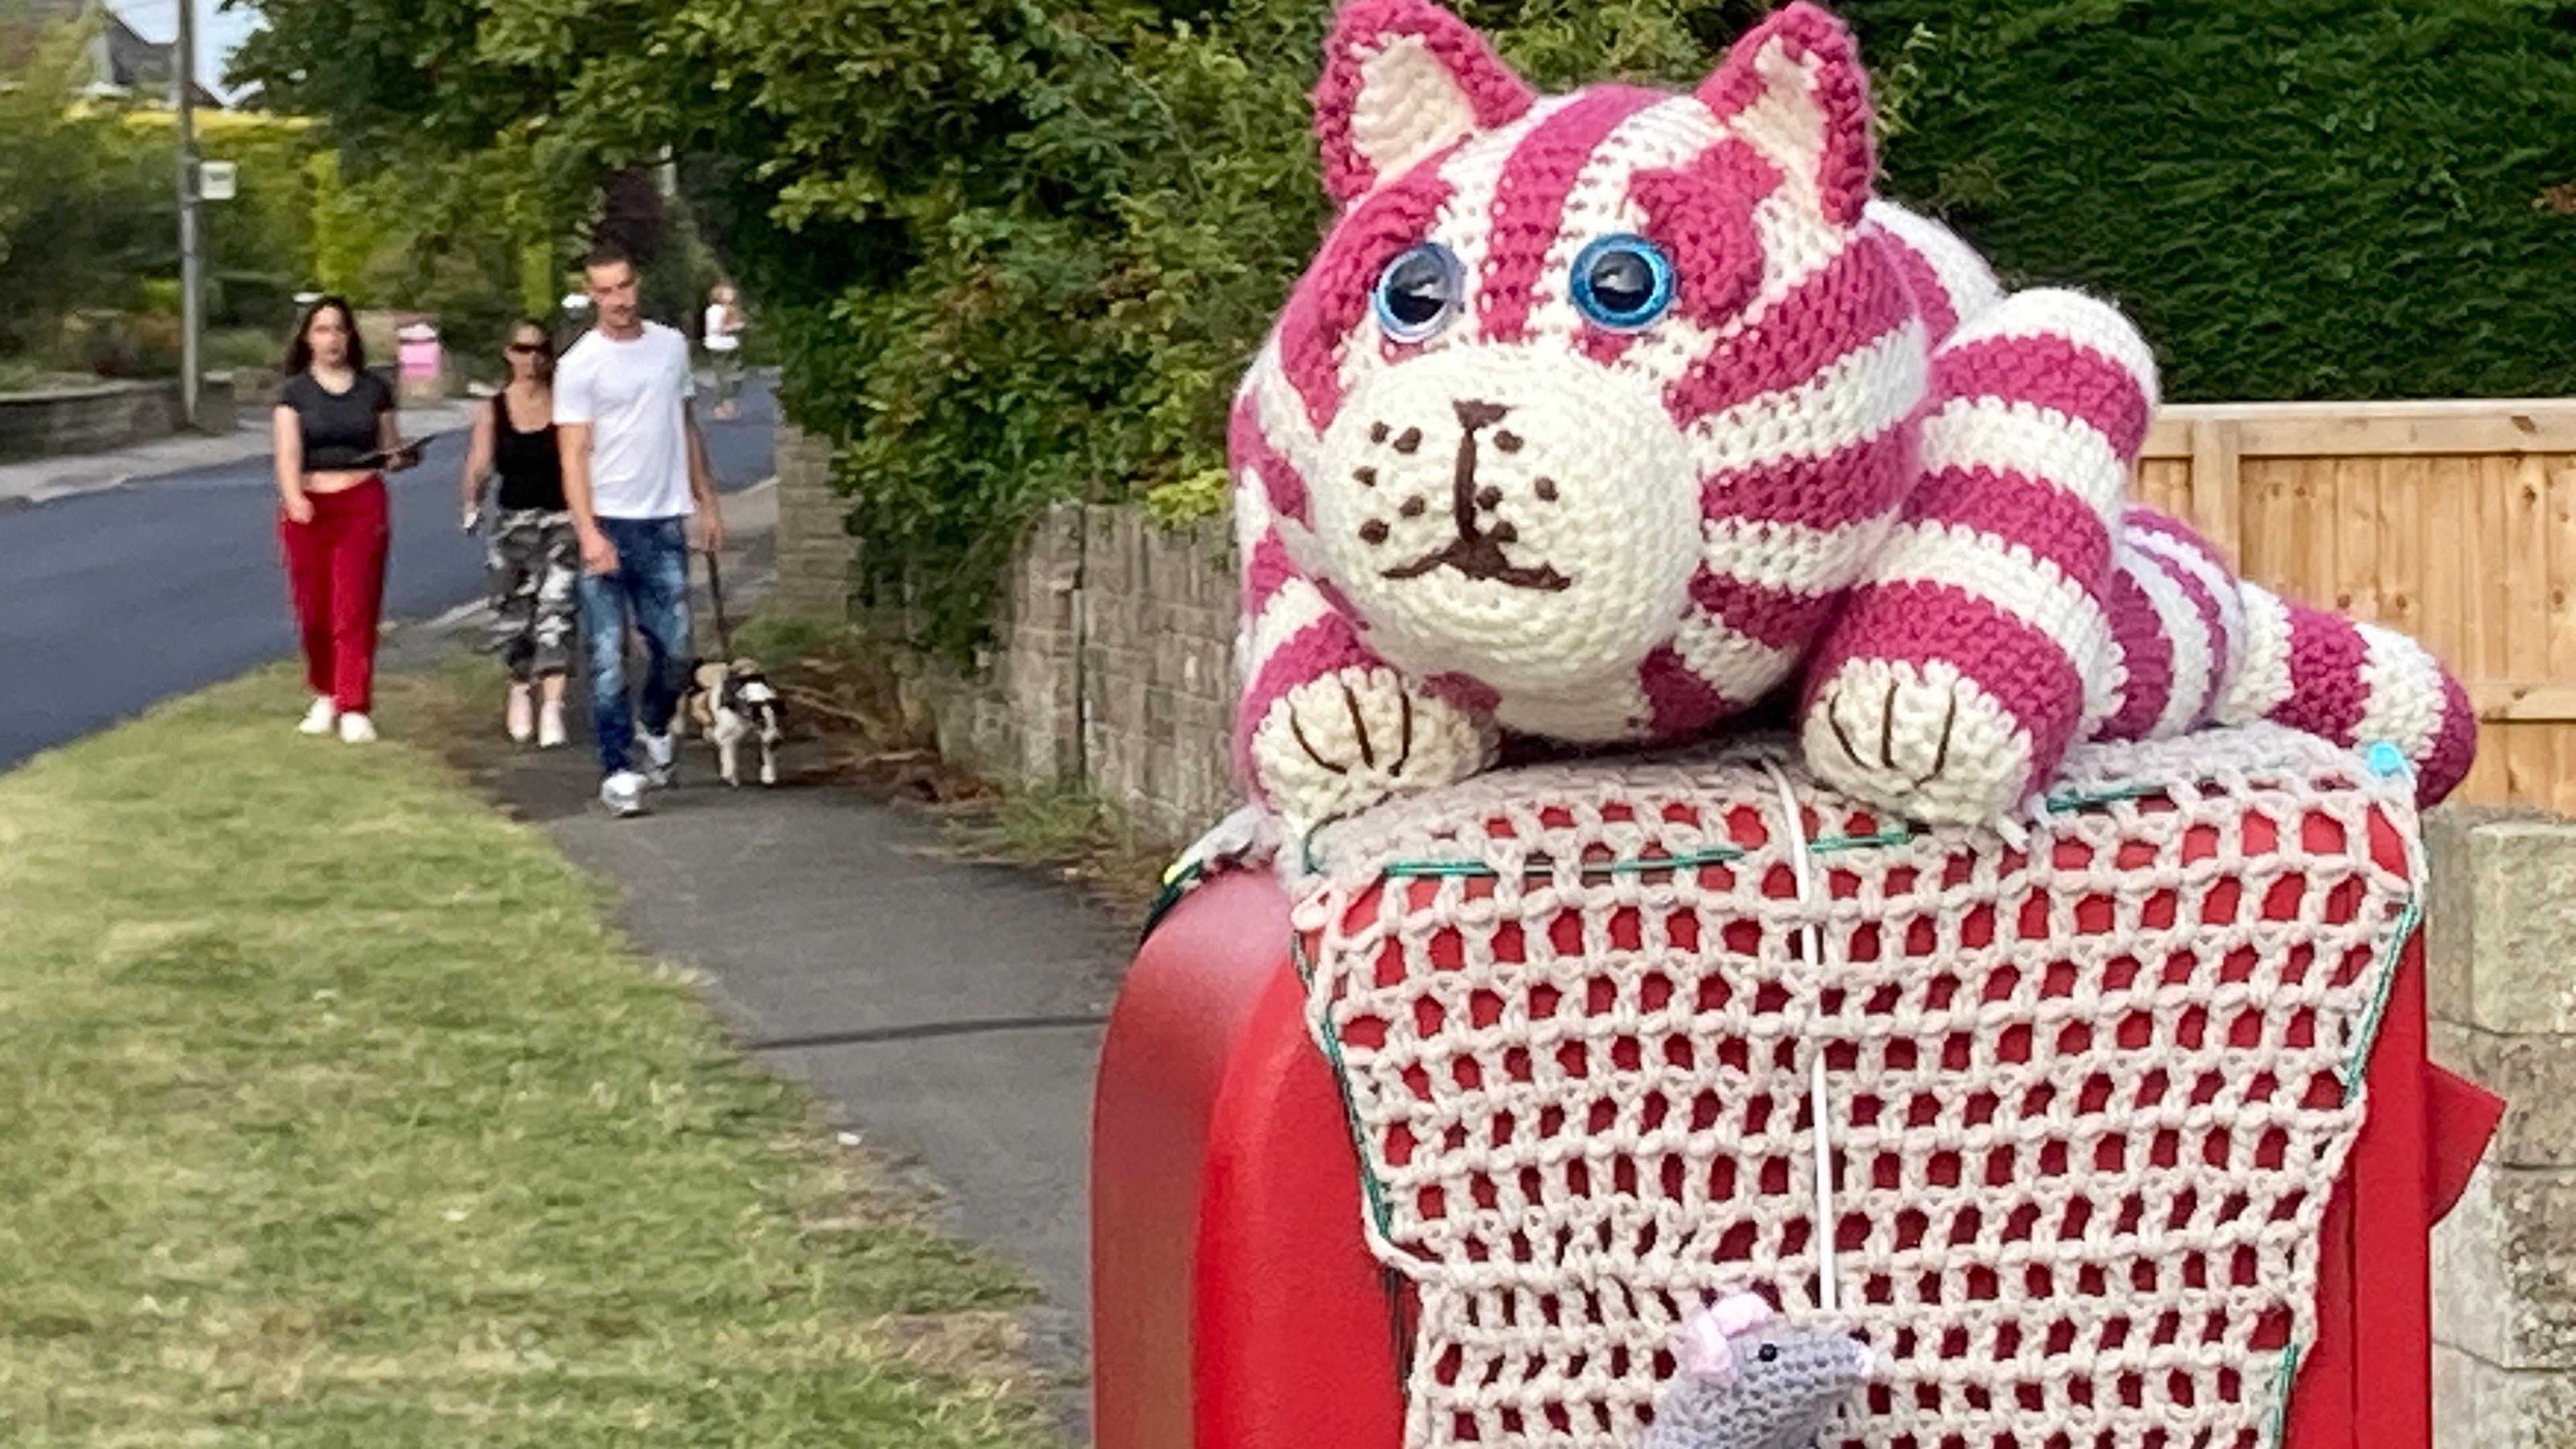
<point>1236,1305</point>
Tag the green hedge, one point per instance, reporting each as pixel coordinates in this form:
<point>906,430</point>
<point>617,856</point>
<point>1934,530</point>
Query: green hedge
<point>2294,198</point>
<point>1012,251</point>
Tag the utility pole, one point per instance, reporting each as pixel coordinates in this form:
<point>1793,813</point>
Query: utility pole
<point>183,95</point>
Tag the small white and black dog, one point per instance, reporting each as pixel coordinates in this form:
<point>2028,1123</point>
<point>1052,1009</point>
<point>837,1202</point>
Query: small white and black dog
<point>729,703</point>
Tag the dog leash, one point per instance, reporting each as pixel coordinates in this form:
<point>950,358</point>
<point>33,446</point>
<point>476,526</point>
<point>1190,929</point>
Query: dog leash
<point>715,591</point>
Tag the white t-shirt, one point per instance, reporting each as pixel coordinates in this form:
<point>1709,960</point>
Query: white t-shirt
<point>633,395</point>
<point>718,338</point>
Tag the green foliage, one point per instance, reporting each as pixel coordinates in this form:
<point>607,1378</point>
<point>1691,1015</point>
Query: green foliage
<point>2300,199</point>
<point>1202,495</point>
<point>1016,251</point>
<point>86,208</point>
<point>89,214</point>
<point>1008,251</point>
<point>258,244</point>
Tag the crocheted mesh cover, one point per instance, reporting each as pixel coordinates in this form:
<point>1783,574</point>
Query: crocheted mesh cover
<point>2088,1092</point>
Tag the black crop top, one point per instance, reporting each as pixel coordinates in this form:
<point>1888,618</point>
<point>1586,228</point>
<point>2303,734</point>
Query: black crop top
<point>531,470</point>
<point>339,427</point>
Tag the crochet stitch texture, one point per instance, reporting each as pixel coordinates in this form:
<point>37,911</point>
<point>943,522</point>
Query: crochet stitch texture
<point>1601,418</point>
<point>2085,1093</point>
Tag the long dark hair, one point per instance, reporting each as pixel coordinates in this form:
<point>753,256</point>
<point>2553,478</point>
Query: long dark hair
<point>299,353</point>
<point>545,348</point>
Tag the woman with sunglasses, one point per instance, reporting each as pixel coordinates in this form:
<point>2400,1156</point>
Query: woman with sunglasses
<point>535,557</point>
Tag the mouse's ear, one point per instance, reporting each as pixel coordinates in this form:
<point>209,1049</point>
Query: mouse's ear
<point>1705,1351</point>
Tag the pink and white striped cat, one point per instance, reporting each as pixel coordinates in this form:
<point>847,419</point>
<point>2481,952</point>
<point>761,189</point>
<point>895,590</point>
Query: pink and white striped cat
<point>1603,417</point>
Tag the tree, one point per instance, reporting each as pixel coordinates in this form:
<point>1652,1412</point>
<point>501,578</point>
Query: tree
<point>86,208</point>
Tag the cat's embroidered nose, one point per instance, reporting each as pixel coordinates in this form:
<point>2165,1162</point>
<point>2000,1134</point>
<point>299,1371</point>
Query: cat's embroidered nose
<point>1473,414</point>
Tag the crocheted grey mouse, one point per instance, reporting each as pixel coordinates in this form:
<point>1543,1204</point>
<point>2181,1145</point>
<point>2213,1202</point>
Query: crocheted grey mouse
<point>1748,1381</point>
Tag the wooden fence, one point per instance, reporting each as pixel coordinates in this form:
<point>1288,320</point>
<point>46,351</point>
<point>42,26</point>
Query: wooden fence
<point>2454,521</point>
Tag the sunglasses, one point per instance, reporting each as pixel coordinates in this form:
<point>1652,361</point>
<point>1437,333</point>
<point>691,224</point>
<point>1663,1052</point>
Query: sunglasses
<point>527,349</point>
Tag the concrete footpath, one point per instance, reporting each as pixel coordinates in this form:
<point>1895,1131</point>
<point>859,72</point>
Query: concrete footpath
<point>949,1014</point>
<point>42,480</point>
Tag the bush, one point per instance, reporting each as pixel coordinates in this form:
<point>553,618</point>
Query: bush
<point>123,345</point>
<point>1016,251</point>
<point>264,300</point>
<point>85,210</point>
<point>1035,269</point>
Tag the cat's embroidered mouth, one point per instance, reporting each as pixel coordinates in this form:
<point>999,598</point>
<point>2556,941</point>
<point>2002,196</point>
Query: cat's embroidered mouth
<point>1477,551</point>
<point>1482,557</point>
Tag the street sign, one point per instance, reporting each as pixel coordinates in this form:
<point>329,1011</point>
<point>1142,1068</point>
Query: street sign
<point>216,180</point>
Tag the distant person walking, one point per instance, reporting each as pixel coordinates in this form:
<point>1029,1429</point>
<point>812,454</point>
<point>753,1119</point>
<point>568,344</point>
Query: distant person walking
<point>335,434</point>
<point>723,336</point>
<point>535,556</point>
<point>634,470</point>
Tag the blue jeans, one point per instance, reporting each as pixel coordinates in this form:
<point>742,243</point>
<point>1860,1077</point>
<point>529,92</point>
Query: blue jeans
<point>652,584</point>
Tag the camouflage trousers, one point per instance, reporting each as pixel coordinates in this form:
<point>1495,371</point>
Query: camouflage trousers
<point>534,566</point>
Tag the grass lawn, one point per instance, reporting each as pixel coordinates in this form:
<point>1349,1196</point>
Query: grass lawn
<point>331,1114</point>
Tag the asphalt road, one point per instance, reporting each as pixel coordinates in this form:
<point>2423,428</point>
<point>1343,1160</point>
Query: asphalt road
<point>112,601</point>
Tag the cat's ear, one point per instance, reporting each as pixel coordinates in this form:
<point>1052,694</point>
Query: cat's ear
<point>1794,87</point>
<point>1404,80</point>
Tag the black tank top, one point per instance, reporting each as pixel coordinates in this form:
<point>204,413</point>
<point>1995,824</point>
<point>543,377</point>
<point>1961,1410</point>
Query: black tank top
<point>531,470</point>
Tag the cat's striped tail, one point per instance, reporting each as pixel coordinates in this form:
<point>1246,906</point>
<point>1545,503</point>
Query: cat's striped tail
<point>2201,646</point>
<point>2354,684</point>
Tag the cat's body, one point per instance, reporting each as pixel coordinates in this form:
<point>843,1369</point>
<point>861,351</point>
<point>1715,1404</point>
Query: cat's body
<point>1603,418</point>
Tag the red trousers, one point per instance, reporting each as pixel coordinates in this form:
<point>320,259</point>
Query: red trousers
<point>335,571</point>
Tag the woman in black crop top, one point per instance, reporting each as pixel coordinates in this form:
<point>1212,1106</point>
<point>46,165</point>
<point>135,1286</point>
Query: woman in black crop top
<point>535,555</point>
<point>335,434</point>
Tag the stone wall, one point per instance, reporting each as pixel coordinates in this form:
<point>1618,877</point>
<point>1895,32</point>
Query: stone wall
<point>815,554</point>
<point>1112,662</point>
<point>88,419</point>
<point>1157,665</point>
<point>2502,956</point>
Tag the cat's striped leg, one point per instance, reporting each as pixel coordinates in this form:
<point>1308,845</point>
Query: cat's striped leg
<point>1327,728</point>
<point>2178,621</point>
<point>1979,646</point>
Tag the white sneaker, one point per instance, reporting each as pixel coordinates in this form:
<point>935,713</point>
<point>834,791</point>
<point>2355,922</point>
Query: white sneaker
<point>519,718</point>
<point>662,758</point>
<point>357,729</point>
<point>550,725</point>
<point>623,793</point>
<point>319,719</point>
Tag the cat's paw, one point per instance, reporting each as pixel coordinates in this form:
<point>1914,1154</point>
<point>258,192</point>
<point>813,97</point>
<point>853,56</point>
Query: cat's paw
<point>1921,740</point>
<point>1337,745</point>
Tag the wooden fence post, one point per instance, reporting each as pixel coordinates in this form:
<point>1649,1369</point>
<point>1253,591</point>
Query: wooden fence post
<point>2217,503</point>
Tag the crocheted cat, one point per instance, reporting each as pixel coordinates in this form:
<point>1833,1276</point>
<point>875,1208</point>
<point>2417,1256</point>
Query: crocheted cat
<point>1601,418</point>
<point>1750,1382</point>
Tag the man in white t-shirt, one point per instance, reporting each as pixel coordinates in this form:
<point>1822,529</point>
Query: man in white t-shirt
<point>634,470</point>
<point>723,334</point>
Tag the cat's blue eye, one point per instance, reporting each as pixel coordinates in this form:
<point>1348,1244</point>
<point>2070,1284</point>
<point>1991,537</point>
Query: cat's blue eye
<point>1419,292</point>
<point>1622,282</point>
